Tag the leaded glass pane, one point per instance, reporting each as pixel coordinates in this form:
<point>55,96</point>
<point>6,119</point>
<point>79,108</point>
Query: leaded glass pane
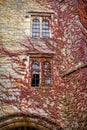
<point>36,28</point>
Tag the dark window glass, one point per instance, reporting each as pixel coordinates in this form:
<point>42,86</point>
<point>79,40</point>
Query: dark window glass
<point>36,28</point>
<point>35,74</point>
<point>45,28</point>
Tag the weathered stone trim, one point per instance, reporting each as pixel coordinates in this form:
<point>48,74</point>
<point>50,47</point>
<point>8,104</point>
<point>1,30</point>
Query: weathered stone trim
<point>19,120</point>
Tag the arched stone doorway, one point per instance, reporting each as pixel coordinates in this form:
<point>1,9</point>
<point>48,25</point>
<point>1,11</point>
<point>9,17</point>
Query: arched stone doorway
<point>27,122</point>
<point>24,128</point>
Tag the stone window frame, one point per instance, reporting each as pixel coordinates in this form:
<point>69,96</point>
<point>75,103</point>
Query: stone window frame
<point>40,16</point>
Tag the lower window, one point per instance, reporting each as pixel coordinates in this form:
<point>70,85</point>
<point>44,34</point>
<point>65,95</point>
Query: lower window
<point>40,72</point>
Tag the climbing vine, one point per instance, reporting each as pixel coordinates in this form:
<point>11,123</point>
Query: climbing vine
<point>65,101</point>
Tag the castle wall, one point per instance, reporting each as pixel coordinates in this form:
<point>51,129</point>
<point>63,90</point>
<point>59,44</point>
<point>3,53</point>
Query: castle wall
<point>66,52</point>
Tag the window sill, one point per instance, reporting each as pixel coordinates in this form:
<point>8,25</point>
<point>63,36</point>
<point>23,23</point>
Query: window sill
<point>40,37</point>
<point>41,86</point>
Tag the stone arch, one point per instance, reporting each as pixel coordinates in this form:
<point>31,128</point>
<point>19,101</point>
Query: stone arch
<point>33,121</point>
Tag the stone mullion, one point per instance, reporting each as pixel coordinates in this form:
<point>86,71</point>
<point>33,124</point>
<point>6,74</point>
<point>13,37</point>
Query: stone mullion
<point>40,26</point>
<point>31,25</point>
<point>41,72</point>
<point>19,128</point>
<point>25,128</point>
<point>52,72</point>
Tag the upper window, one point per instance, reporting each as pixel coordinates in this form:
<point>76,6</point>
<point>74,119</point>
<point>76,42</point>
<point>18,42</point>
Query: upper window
<point>35,28</point>
<point>40,27</point>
